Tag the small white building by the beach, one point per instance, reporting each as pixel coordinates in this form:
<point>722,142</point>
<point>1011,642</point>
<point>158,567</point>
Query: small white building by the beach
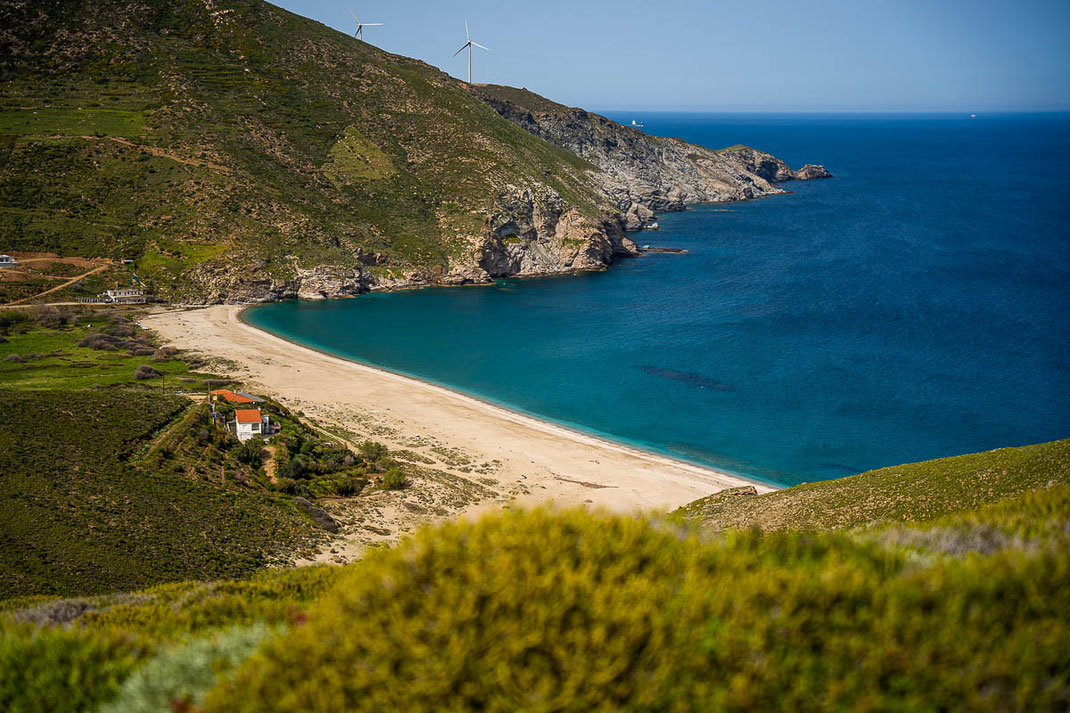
<point>125,297</point>
<point>250,423</point>
<point>8,261</point>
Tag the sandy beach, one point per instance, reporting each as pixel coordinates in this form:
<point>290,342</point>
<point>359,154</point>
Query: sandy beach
<point>470,454</point>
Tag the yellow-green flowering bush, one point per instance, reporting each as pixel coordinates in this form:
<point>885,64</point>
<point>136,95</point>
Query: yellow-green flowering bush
<point>539,611</point>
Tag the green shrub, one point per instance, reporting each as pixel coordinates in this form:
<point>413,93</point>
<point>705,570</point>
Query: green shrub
<point>348,486</point>
<point>292,469</point>
<point>286,485</point>
<point>574,612</point>
<point>394,479</point>
<point>13,320</point>
<point>147,372</point>
<point>250,452</point>
<point>372,451</point>
<point>59,670</point>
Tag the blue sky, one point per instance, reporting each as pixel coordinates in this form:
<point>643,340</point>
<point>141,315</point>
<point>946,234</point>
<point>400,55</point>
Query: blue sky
<point>755,55</point>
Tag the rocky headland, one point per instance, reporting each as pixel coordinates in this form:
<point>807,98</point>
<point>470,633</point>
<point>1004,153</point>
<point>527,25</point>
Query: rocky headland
<point>643,173</point>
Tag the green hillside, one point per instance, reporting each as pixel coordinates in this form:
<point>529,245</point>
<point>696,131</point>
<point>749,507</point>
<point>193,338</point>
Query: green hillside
<point>915,491</point>
<point>234,141</point>
<point>79,518</point>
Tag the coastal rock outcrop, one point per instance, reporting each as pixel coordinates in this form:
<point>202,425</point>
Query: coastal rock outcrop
<point>811,171</point>
<point>212,283</point>
<point>642,173</point>
<point>535,232</point>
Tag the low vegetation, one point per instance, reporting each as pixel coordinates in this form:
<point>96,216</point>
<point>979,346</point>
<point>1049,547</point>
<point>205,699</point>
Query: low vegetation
<point>916,491</point>
<point>298,460</point>
<point>51,348</point>
<point>573,611</point>
<point>62,656</point>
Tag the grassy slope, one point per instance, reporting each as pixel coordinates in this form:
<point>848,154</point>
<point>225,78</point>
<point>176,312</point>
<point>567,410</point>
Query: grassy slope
<point>916,491</point>
<point>109,482</point>
<point>523,98</point>
<point>163,133</point>
<point>84,509</point>
<point>80,519</point>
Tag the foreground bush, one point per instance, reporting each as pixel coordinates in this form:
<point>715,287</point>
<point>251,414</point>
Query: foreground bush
<point>60,670</point>
<point>573,612</point>
<point>177,677</point>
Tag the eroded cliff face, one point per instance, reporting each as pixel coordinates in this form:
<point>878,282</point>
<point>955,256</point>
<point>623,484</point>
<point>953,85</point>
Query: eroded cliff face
<point>535,232</point>
<point>643,173</point>
<point>530,231</point>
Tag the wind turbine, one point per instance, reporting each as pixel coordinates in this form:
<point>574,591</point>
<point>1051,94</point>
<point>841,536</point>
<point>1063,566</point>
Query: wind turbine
<point>468,46</point>
<point>359,34</point>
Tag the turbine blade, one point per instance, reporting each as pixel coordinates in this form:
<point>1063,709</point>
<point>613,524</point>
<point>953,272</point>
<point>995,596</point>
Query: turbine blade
<point>463,48</point>
<point>353,14</point>
<point>373,24</point>
<point>481,46</point>
<point>466,35</point>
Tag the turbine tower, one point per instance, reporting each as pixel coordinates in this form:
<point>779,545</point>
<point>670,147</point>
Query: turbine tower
<point>359,34</point>
<point>468,45</point>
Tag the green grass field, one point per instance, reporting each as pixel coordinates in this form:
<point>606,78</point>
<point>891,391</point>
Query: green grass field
<point>72,122</point>
<point>64,365</point>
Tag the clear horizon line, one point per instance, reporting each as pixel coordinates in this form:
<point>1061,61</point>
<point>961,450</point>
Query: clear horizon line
<point>837,112</point>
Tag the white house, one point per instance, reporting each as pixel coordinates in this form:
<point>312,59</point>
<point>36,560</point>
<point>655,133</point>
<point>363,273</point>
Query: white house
<point>250,423</point>
<point>8,261</point>
<point>124,297</point>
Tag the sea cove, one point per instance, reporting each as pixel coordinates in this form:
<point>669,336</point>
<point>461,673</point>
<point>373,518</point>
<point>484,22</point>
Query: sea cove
<point>911,308</point>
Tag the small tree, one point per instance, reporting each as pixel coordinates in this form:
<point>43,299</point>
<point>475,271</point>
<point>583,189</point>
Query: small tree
<point>372,452</point>
<point>394,479</point>
<point>293,469</point>
<point>250,452</point>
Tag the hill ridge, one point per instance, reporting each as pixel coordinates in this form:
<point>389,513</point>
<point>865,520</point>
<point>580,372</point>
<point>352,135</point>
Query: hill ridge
<point>258,155</point>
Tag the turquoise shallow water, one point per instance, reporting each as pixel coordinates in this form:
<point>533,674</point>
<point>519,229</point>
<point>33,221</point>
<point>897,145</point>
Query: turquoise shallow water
<point>913,307</point>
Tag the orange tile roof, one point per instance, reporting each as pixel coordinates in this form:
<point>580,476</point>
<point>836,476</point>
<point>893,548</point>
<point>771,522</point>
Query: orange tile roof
<point>233,397</point>
<point>249,415</point>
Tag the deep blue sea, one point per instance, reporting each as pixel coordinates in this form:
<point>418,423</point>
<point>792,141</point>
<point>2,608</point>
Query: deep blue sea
<point>912,307</point>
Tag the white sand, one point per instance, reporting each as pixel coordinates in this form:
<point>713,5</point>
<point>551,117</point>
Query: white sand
<point>514,457</point>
